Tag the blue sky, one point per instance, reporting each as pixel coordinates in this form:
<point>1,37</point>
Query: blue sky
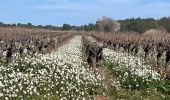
<point>78,12</point>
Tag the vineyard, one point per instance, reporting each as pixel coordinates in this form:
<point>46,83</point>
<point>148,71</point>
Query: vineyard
<point>41,64</point>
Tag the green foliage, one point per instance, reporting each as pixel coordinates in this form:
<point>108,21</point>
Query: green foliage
<point>49,27</point>
<point>90,27</point>
<point>165,23</point>
<point>138,24</point>
<point>93,89</point>
<point>127,25</point>
<point>66,27</point>
<point>134,87</point>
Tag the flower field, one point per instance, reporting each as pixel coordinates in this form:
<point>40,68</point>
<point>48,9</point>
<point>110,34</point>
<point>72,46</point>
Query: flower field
<point>58,75</point>
<point>135,78</point>
<point>135,65</point>
<point>63,74</point>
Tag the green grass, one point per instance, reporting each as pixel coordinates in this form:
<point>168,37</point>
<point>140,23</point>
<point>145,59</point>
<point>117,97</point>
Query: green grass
<point>134,87</point>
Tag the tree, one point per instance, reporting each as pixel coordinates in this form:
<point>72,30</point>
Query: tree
<point>138,24</point>
<point>164,23</point>
<point>107,24</point>
<point>19,24</point>
<point>29,25</point>
<point>66,27</point>
<point>1,24</point>
<point>13,25</point>
<point>90,27</point>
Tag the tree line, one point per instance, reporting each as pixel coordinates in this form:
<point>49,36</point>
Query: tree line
<point>65,26</point>
<point>141,25</point>
<point>107,24</point>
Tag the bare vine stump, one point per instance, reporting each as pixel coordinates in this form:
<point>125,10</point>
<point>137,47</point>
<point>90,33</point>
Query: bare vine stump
<point>167,67</point>
<point>93,52</point>
<point>167,70</point>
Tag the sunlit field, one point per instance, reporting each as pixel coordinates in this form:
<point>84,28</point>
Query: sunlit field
<point>84,50</point>
<point>41,64</point>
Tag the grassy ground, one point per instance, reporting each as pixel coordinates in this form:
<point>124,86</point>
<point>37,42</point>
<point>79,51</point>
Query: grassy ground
<point>134,87</point>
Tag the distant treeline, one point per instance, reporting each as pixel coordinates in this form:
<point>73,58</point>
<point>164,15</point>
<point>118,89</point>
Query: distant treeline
<point>141,25</point>
<point>127,25</point>
<point>88,27</point>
